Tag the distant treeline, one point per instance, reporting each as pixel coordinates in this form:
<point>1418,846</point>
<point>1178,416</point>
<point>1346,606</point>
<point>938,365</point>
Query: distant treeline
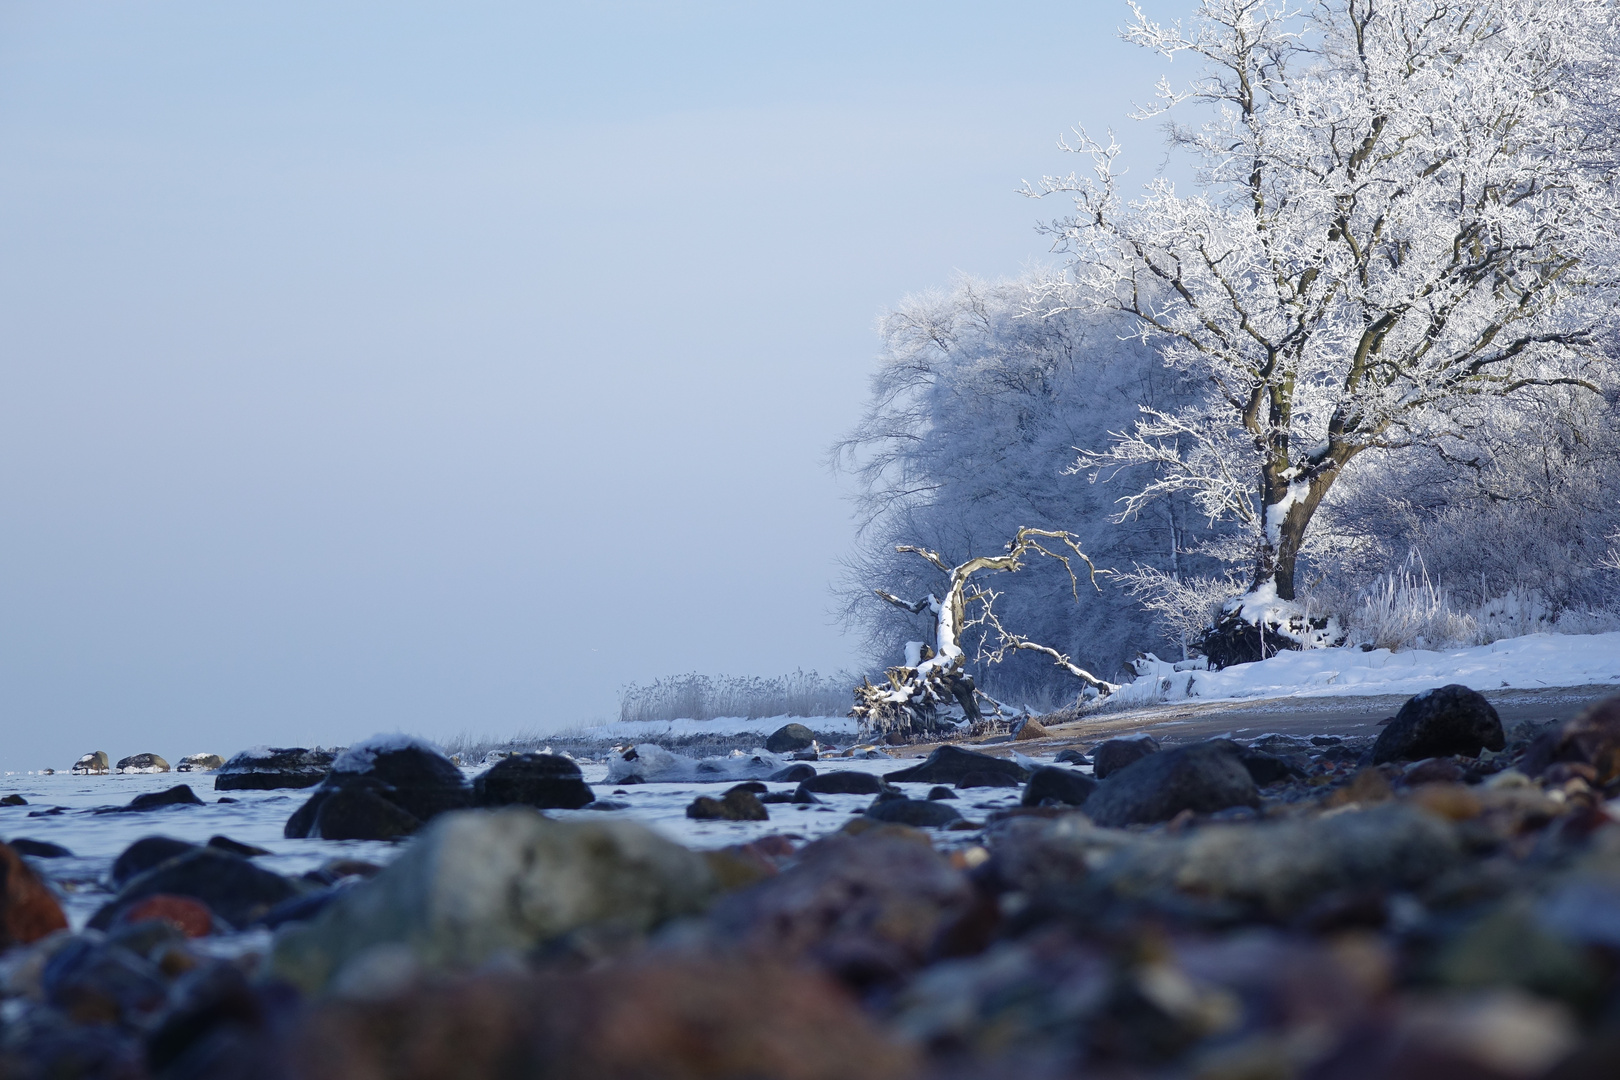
<point>704,697</point>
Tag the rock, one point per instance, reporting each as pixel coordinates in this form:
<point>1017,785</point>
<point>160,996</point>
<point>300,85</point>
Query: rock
<point>98,982</point>
<point>1060,785</point>
<point>1437,723</point>
<point>235,847</point>
<point>92,764</point>
<point>1591,738</point>
<point>793,774</point>
<point>544,781</point>
<point>1203,778</point>
<point>414,777</point>
<point>233,888</point>
<point>979,778</point>
<point>39,849</point>
<point>142,763</point>
<point>918,813</point>
<point>13,800</point>
<point>267,768</point>
<point>867,908</point>
<point>1072,756</point>
<point>1114,754</point>
<point>790,737</point>
<point>180,795</point>
<point>738,804</point>
<point>28,910</point>
<point>1029,731</point>
<point>478,883</point>
<point>191,917</point>
<point>843,783</point>
<point>200,763</point>
<point>145,853</point>
<point>941,793</point>
<point>948,764</point>
<point>664,1017</point>
<point>1267,768</point>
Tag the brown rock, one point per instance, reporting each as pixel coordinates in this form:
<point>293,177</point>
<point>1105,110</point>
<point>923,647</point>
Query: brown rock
<point>1031,730</point>
<point>191,917</point>
<point>1592,738</point>
<point>28,911</point>
<point>672,1018</point>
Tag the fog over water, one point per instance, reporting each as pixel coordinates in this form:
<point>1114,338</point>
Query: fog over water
<point>444,367</point>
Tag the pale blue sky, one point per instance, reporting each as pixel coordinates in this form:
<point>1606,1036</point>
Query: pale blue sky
<point>444,367</point>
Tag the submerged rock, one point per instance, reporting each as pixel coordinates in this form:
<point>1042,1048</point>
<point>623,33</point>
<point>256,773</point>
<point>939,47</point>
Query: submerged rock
<point>39,849</point>
<point>92,764</point>
<point>544,781</point>
<point>479,883</point>
<point>200,763</point>
<point>28,910</point>
<point>949,764</point>
<point>843,783</point>
<point>145,853</point>
<point>793,774</point>
<point>918,813</point>
<point>738,804</point>
<point>790,737</point>
<point>268,768</point>
<point>1058,785</point>
<point>1203,778</point>
<point>385,787</point>
<point>142,763</point>
<point>1436,723</point>
<point>979,778</point>
<point>1114,754</point>
<point>179,795</point>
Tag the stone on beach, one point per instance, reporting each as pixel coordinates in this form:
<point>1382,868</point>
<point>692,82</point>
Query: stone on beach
<point>39,849</point>
<point>1436,723</point>
<point>28,909</point>
<point>144,854</point>
<point>1057,784</point>
<point>843,783</point>
<point>269,768</point>
<point>233,888</point>
<point>949,764</point>
<point>544,781</point>
<point>790,737</point>
<point>478,883</point>
<point>200,763</point>
<point>918,813</point>
<point>92,764</point>
<point>738,804</point>
<point>142,763</point>
<point>380,789</point>
<point>1113,755</point>
<point>179,795</point>
<point>1203,778</point>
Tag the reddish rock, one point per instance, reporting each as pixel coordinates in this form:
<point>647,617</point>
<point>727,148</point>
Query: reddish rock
<point>190,917</point>
<point>28,911</point>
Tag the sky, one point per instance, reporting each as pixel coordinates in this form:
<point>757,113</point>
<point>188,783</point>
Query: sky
<point>447,367</point>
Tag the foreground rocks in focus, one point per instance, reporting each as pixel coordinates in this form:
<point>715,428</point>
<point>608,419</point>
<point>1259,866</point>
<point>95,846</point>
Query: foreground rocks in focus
<point>268,768</point>
<point>479,883</point>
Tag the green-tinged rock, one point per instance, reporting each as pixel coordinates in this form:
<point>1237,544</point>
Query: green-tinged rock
<point>478,883</point>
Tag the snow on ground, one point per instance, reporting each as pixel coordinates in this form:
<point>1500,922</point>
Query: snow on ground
<point>1535,660</point>
<point>640,731</point>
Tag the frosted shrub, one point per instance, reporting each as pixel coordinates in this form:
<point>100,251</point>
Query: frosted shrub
<point>704,697</point>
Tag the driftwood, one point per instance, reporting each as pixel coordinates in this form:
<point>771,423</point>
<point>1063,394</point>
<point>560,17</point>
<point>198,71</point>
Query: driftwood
<point>932,694</point>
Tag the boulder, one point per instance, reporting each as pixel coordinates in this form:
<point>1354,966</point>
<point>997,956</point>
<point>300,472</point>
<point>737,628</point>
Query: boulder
<point>28,910</point>
<point>233,888</point>
<point>941,792</point>
<point>843,783</point>
<point>918,813</point>
<point>39,849</point>
<point>544,781</point>
<point>1591,738</point>
<point>179,795</point>
<point>142,763</point>
<point>980,778</point>
<point>478,883</point>
<point>790,737</point>
<point>92,764</point>
<point>200,763</point>
<point>415,777</point>
<point>1029,731</point>
<point>1065,786</point>
<point>1203,778</point>
<point>267,768</point>
<point>143,855</point>
<point>1114,754</point>
<point>191,917</point>
<point>99,981</point>
<point>738,804</point>
<point>1269,768</point>
<point>13,800</point>
<point>948,764</point>
<point>1437,723</point>
<point>793,774</point>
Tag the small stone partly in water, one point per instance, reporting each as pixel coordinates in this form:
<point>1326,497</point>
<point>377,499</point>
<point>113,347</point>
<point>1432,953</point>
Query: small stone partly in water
<point>918,813</point>
<point>1058,785</point>
<point>941,792</point>
<point>949,764</point>
<point>180,795</point>
<point>544,781</point>
<point>843,783</point>
<point>13,800</point>
<point>39,849</point>
<point>738,804</point>
<point>793,774</point>
<point>979,779</point>
<point>145,853</point>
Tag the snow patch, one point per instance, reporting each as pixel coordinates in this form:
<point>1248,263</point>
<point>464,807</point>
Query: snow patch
<point>655,765</point>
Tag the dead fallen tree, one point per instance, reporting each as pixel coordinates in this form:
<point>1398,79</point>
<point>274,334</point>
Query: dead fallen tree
<point>931,694</point>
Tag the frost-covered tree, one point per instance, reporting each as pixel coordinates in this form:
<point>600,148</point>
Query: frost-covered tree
<point>1403,207</point>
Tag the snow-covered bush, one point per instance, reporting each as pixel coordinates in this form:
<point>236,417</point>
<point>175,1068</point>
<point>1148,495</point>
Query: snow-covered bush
<point>704,697</point>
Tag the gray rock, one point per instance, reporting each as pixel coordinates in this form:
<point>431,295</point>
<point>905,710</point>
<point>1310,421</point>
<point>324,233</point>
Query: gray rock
<point>843,783</point>
<point>793,774</point>
<point>979,778</point>
<point>355,812</point>
<point>790,737</point>
<point>478,883</point>
<point>1203,778</point>
<point>417,779</point>
<point>918,813</point>
<point>941,793</point>
<point>1437,723</point>
<point>949,764</point>
<point>145,853</point>
<point>1059,785</point>
<point>1269,768</point>
<point>92,764</point>
<point>180,795</point>
<point>544,781</point>
<point>200,763</point>
<point>1073,757</point>
<point>38,849</point>
<point>142,763</point>
<point>274,767</point>
<point>738,804</point>
<point>1113,755</point>
<point>233,888</point>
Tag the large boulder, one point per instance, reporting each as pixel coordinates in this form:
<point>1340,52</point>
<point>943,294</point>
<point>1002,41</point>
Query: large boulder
<point>415,777</point>
<point>268,768</point>
<point>200,763</point>
<point>949,764</point>
<point>790,737</point>
<point>142,763</point>
<point>1436,723</point>
<point>1114,754</point>
<point>1059,785</point>
<point>233,888</point>
<point>480,883</point>
<point>544,781</point>
<point>1203,778</point>
<point>92,764</point>
<point>1592,738</point>
<point>28,910</point>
